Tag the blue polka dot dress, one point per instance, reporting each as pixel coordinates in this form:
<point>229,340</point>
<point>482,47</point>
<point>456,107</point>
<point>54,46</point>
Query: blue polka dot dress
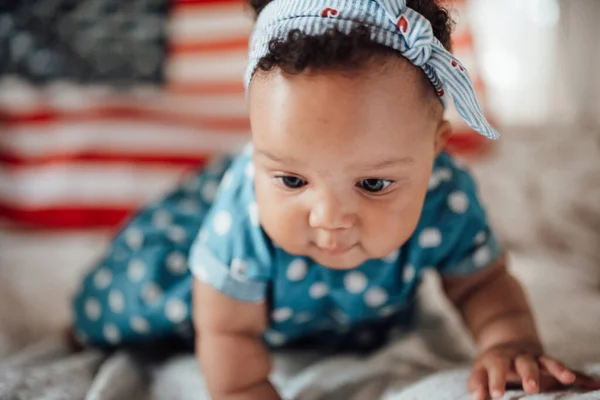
<point>208,229</point>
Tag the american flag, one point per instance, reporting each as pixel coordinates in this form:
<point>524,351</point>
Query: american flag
<point>85,156</point>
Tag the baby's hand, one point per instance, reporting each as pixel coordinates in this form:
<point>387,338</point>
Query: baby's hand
<point>521,363</point>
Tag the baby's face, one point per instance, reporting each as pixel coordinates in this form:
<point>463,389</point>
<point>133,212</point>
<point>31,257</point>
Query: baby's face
<point>342,165</point>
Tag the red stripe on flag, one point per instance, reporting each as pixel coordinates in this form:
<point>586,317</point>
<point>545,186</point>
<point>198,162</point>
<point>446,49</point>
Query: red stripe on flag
<point>48,115</point>
<point>205,88</point>
<point>16,161</point>
<point>183,48</point>
<point>67,217</point>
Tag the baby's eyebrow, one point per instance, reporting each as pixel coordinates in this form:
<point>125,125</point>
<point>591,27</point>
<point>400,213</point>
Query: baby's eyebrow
<point>275,158</point>
<point>404,161</point>
<point>389,163</point>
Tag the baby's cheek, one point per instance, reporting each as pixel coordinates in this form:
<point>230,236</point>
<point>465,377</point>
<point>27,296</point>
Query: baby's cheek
<point>282,222</point>
<point>284,229</point>
<point>388,228</point>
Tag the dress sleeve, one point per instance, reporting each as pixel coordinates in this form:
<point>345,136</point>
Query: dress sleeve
<point>231,252</point>
<point>454,235</point>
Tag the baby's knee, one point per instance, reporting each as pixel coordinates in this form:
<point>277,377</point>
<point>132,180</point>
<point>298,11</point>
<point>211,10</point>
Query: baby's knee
<point>121,310</point>
<point>93,324</point>
<point>103,310</point>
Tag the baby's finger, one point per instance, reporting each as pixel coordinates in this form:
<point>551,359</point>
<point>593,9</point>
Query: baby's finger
<point>528,370</point>
<point>586,381</point>
<point>497,370</point>
<point>477,383</point>
<point>558,370</point>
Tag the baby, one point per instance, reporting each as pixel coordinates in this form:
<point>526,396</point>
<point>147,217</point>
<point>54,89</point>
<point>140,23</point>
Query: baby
<point>321,229</point>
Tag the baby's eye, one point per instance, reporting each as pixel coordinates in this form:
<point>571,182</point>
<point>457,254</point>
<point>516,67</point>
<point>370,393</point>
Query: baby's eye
<point>374,185</point>
<point>292,182</point>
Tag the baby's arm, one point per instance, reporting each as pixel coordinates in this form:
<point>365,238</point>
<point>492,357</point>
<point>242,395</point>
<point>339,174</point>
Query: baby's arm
<point>235,362</point>
<point>493,306</point>
<point>497,313</point>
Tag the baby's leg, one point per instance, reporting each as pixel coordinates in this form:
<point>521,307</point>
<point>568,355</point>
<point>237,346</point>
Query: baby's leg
<point>141,289</point>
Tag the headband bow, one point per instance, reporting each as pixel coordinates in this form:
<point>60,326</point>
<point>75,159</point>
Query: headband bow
<point>392,24</point>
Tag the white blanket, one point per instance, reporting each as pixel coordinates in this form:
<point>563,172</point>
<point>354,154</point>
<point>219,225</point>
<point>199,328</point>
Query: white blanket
<point>431,363</point>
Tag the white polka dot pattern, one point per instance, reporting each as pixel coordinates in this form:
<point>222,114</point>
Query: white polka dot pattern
<point>297,270</point>
<point>409,273</point>
<point>275,338</point>
<point>430,237</point>
<point>134,238</point>
<point>434,182</point>
<point>458,202</point>
<point>111,334</point>
<point>177,234</point>
<point>116,301</point>
<point>102,278</point>
<point>161,219</point>
<point>482,257</point>
<point>136,270</point>
<point>151,293</point>
<point>92,309</point>
<point>480,238</point>
<point>176,263</point>
<point>253,213</point>
<point>249,170</point>
<point>318,290</point>
<point>176,310</point>
<point>375,297</point>
<point>282,314</point>
<point>209,190</point>
<point>444,174</point>
<point>222,223</point>
<point>355,282</point>
<point>338,299</point>
<point>139,325</point>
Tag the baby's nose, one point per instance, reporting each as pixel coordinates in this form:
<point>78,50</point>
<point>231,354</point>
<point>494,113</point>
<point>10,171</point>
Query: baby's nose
<point>331,213</point>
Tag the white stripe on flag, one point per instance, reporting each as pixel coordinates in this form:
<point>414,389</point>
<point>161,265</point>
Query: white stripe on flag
<point>85,184</point>
<point>208,67</point>
<point>115,137</point>
<point>210,24</point>
<point>20,98</point>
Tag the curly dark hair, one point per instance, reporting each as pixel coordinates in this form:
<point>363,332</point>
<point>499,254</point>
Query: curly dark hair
<point>338,50</point>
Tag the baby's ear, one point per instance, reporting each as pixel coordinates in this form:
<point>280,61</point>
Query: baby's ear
<point>444,130</point>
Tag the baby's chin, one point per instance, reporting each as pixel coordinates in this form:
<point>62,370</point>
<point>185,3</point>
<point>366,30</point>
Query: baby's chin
<point>350,260</point>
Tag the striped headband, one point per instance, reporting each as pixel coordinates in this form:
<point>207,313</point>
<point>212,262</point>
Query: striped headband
<point>392,24</point>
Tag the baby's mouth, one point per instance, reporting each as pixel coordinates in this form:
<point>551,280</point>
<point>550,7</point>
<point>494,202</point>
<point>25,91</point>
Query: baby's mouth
<point>336,250</point>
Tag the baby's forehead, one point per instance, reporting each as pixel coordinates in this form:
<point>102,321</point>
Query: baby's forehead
<point>388,82</point>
